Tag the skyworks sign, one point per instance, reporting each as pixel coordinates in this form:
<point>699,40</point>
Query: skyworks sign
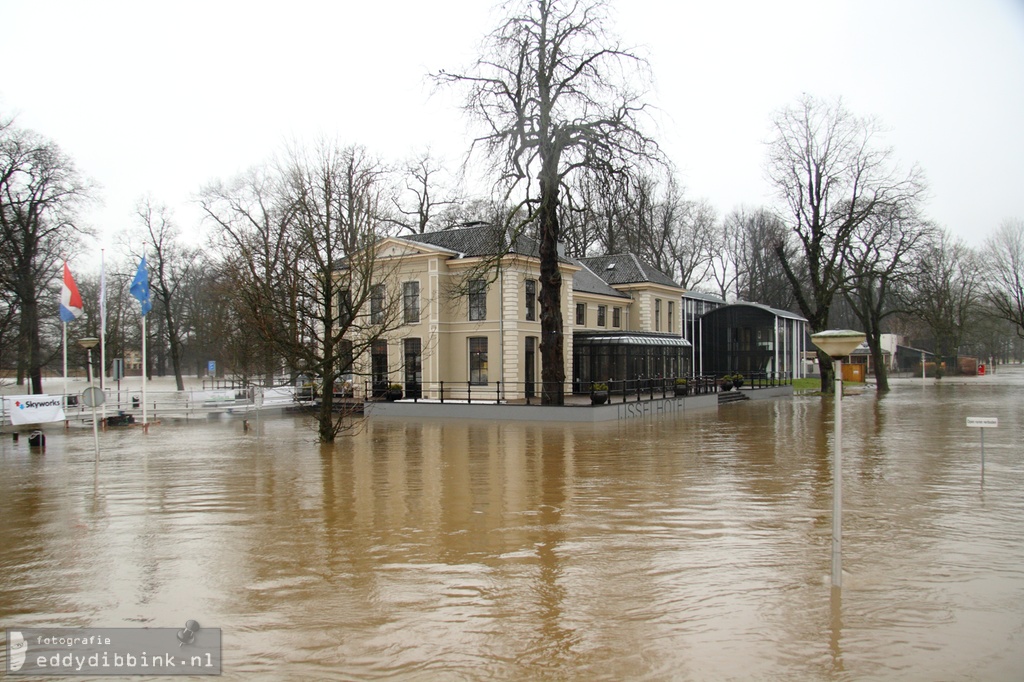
<point>33,409</point>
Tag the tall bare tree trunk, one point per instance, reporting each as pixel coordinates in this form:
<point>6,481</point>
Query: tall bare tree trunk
<point>552,335</point>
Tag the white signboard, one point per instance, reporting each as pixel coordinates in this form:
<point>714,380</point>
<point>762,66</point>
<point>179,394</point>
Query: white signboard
<point>33,409</point>
<point>983,422</point>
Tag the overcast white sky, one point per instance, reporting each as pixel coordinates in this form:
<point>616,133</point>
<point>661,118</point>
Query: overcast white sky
<point>160,98</point>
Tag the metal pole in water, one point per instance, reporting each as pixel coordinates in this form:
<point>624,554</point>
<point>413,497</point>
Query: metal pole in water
<point>837,344</point>
<point>982,456</point>
<point>837,480</point>
<point>95,426</point>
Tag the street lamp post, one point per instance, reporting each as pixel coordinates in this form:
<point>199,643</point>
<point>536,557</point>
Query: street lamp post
<point>88,343</point>
<point>837,344</point>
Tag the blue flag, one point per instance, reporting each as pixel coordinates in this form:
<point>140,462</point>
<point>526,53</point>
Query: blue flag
<point>140,287</point>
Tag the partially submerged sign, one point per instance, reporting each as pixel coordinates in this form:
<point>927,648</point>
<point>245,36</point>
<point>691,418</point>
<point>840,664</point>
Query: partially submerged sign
<point>983,422</point>
<point>33,409</point>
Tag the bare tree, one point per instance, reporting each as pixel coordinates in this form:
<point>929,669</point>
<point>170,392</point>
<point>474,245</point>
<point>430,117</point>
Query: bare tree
<point>8,325</point>
<point>755,235</point>
<point>694,238</point>
<point>478,211</point>
<point>424,198</point>
<point>881,259</point>
<point>40,194</point>
<point>727,250</point>
<point>259,252</point>
<point>304,234</point>
<point>591,215</point>
<point>171,264</point>
<point>831,178</point>
<point>659,225</point>
<point>947,292</point>
<point>555,95</point>
<point>1004,260</point>
<point>122,325</point>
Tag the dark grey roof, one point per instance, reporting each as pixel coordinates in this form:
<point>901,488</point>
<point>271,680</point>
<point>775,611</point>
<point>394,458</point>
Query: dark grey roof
<point>626,268</point>
<point>487,240</point>
<point>480,240</point>
<point>704,296</point>
<point>628,339</point>
<point>777,312</point>
<point>587,281</point>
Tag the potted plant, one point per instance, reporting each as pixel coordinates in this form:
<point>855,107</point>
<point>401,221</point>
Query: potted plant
<point>394,392</point>
<point>737,380</point>
<point>598,394</point>
<point>682,387</point>
<point>726,383</point>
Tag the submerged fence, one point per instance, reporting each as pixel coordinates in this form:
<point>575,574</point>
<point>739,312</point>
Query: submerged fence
<point>185,404</point>
<point>202,403</point>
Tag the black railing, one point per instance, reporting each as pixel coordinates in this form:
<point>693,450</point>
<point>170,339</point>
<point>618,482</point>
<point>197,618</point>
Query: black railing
<point>531,393</point>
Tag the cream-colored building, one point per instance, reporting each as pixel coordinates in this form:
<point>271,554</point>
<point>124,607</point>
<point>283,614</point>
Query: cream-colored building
<point>469,320</point>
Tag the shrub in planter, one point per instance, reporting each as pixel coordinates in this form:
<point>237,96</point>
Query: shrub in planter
<point>682,387</point>
<point>598,394</point>
<point>394,392</point>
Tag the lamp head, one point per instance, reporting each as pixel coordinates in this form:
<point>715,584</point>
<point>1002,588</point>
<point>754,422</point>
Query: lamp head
<point>838,343</point>
<point>88,342</point>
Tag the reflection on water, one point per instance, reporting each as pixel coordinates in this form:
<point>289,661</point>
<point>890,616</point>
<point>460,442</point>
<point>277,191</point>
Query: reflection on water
<point>694,547</point>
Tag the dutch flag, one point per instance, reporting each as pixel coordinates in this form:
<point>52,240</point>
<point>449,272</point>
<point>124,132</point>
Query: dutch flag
<point>70,299</point>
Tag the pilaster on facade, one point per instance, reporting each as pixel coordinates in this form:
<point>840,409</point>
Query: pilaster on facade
<point>645,312</point>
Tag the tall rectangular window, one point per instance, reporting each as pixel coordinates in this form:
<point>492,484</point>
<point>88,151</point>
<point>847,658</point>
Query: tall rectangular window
<point>345,356</point>
<point>616,317</point>
<point>477,299</point>
<point>478,361</point>
<point>344,316</point>
<point>600,315</point>
<point>531,299</point>
<point>413,368</point>
<point>531,365</point>
<point>379,366</point>
<point>671,317</point>
<point>657,314</point>
<point>411,301</point>
<point>581,314</point>
<point>377,304</point>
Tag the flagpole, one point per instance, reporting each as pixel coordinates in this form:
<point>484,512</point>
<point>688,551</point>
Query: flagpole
<point>140,290</point>
<point>103,331</point>
<point>145,419</point>
<point>65,344</point>
<point>103,319</point>
<point>145,422</point>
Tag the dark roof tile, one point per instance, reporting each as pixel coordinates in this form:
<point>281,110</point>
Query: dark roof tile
<point>477,241</point>
<point>626,268</point>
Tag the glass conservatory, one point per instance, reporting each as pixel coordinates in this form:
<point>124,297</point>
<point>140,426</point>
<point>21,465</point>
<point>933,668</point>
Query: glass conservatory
<point>610,357</point>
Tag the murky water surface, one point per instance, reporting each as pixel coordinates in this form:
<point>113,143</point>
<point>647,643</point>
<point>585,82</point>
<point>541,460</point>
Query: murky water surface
<point>694,547</point>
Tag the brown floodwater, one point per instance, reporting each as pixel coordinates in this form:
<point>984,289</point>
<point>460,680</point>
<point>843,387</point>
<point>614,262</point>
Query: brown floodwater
<point>688,547</point>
